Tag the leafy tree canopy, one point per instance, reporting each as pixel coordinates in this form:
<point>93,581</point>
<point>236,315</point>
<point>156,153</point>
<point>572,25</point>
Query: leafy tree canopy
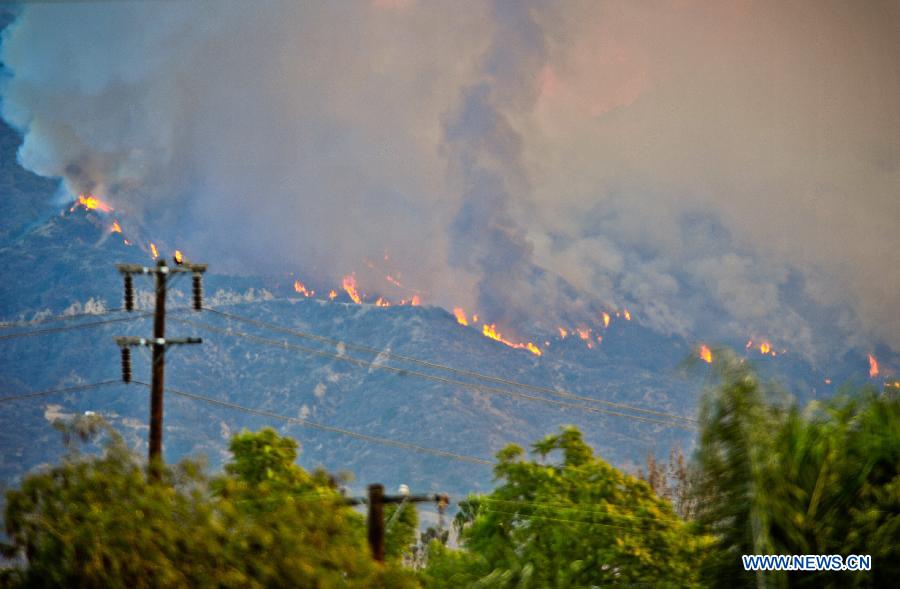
<point>566,519</point>
<point>97,521</point>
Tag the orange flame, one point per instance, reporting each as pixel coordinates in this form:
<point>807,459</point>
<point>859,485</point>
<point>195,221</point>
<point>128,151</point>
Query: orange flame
<point>179,257</point>
<point>605,319</point>
<point>153,251</point>
<point>349,286</point>
<point>332,295</point>
<point>873,366</point>
<point>491,332</point>
<point>301,288</point>
<point>460,316</point>
<point>563,333</point>
<point>475,318</point>
<point>583,333</point>
<point>91,203</point>
<point>764,348</point>
<point>705,354</point>
<point>115,228</point>
<point>627,315</point>
<point>415,301</point>
<point>381,302</point>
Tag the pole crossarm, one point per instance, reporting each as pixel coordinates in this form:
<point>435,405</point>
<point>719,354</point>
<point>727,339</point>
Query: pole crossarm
<point>431,498</point>
<point>185,268</point>
<point>129,341</point>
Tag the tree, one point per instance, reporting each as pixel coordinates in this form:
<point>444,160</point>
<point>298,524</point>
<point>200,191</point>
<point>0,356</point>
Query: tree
<point>97,521</point>
<point>775,479</point>
<point>577,522</point>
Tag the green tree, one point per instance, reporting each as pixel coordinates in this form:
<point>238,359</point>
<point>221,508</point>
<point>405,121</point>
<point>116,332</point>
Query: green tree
<point>96,521</point>
<point>775,479</point>
<point>577,522</point>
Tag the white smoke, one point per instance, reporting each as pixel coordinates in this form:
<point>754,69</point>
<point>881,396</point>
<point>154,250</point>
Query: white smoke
<point>719,168</point>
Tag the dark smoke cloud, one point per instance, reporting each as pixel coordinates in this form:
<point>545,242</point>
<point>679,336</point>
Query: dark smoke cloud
<point>722,169</point>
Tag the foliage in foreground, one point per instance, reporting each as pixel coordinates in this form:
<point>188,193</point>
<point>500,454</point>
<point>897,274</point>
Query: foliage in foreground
<point>577,522</point>
<point>775,479</point>
<point>97,521</point>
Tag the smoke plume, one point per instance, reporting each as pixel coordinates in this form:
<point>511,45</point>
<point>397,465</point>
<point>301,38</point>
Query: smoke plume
<point>721,169</point>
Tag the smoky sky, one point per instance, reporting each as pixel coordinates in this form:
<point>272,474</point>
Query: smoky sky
<point>721,169</point>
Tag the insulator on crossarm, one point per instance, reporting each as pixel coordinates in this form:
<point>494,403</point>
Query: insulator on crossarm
<point>129,293</point>
<point>126,364</point>
<point>198,293</point>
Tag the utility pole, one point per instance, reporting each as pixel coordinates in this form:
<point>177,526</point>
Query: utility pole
<point>375,520</point>
<point>158,343</point>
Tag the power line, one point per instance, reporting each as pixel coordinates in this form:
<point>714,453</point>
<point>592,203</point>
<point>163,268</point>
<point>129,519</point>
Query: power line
<point>55,318</point>
<point>328,428</point>
<point>64,390</point>
<point>460,371</point>
<point>559,507</point>
<point>569,521</point>
<point>9,336</point>
<point>431,377</point>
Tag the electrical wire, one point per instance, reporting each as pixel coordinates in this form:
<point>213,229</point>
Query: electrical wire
<point>558,507</point>
<point>54,318</point>
<point>569,521</point>
<point>71,389</point>
<point>323,427</point>
<point>431,377</point>
<point>10,336</point>
<point>459,371</point>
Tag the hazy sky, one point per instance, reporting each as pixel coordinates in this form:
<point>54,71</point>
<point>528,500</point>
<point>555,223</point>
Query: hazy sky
<point>723,169</point>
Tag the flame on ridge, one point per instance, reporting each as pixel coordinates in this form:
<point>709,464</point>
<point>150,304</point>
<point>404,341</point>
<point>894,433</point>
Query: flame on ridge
<point>91,203</point>
<point>490,330</point>
<point>873,366</point>
<point>460,316</point>
<point>153,251</point>
<point>705,354</point>
<point>349,286</point>
<point>301,288</point>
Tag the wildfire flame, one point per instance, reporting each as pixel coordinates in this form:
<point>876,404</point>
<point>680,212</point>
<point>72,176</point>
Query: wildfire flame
<point>627,315</point>
<point>179,257</point>
<point>415,301</point>
<point>115,227</point>
<point>583,333</point>
<point>332,295</point>
<point>153,251</point>
<point>873,366</point>
<point>490,330</point>
<point>91,203</point>
<point>460,316</point>
<point>705,354</point>
<point>764,348</point>
<point>563,333</point>
<point>301,288</point>
<point>605,319</point>
<point>381,302</point>
<point>349,286</point>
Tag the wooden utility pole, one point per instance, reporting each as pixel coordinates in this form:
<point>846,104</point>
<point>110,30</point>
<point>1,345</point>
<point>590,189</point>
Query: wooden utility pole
<point>158,372</point>
<point>375,520</point>
<point>158,343</point>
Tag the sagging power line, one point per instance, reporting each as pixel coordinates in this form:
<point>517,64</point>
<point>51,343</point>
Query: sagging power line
<point>462,372</point>
<point>422,375</point>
